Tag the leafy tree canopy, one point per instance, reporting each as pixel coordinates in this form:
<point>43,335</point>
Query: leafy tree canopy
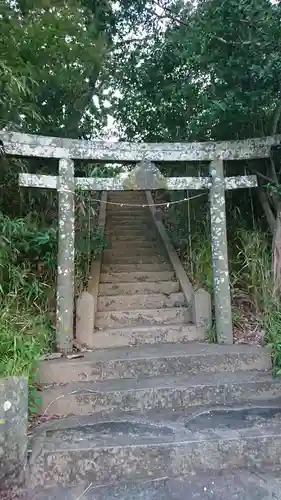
<point>211,72</point>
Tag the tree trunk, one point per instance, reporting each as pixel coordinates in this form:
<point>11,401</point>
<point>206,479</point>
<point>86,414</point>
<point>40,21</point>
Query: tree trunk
<point>267,210</point>
<point>276,252</point>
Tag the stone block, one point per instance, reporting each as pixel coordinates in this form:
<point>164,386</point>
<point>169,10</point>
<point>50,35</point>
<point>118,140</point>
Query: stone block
<point>202,309</point>
<point>85,318</point>
<point>13,429</point>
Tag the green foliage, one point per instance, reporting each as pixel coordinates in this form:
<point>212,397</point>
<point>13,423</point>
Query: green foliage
<point>250,270</point>
<point>210,73</point>
<point>27,258</point>
<point>28,253</point>
<point>251,267</point>
<point>51,60</point>
<point>24,337</point>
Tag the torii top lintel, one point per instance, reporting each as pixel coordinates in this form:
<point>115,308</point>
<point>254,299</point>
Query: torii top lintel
<point>18,144</point>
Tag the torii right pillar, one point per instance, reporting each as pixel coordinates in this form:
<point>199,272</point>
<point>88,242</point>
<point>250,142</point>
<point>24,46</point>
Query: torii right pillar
<point>222,296</point>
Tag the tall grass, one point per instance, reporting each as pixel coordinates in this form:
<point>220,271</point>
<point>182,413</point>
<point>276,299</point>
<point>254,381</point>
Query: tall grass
<point>24,337</point>
<point>250,268</point>
<point>28,262</point>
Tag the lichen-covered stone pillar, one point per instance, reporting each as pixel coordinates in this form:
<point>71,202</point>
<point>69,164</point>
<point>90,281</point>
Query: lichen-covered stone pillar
<point>222,299</point>
<point>65,278</point>
<point>13,429</point>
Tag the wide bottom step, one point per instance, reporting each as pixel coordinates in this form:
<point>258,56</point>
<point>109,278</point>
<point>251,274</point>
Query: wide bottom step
<point>240,484</point>
<point>131,449</point>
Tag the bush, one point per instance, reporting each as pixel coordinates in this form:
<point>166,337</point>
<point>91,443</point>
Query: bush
<point>255,305</point>
<point>28,260</point>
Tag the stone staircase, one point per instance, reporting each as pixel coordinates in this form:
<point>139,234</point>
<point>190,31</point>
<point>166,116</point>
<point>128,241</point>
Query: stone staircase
<point>140,300</point>
<point>153,400</point>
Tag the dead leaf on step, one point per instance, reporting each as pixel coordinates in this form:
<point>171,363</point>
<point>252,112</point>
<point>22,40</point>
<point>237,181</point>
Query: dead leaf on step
<point>75,356</point>
<point>80,347</point>
<point>50,356</point>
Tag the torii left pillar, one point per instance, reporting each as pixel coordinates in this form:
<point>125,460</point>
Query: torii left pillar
<point>64,184</point>
<point>66,255</point>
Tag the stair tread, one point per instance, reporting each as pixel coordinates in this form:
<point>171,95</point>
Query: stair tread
<point>140,277</point>
<point>162,382</point>
<point>140,334</point>
<point>142,316</point>
<point>137,251</point>
<point>146,295</point>
<point>156,309</point>
<point>124,268</point>
<point>66,435</point>
<point>115,288</point>
<point>140,301</point>
<point>163,350</point>
<point>229,485</point>
<point>128,328</point>
<point>134,259</point>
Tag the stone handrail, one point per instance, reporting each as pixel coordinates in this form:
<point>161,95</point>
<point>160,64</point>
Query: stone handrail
<point>198,300</point>
<point>86,306</point>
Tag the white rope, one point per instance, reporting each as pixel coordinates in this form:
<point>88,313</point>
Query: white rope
<point>143,205</point>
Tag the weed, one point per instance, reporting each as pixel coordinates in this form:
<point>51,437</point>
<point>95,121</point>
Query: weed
<point>254,303</point>
<point>24,338</point>
<point>211,335</point>
<point>28,261</point>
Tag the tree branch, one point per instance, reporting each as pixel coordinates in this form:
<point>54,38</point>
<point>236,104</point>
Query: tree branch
<point>265,177</point>
<point>267,209</point>
<point>276,118</point>
<point>133,40</point>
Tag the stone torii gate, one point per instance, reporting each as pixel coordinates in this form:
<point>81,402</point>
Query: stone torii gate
<point>145,177</point>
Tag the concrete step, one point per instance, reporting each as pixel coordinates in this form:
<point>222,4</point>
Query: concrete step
<point>134,245</point>
<point>135,255</point>
<point>113,209</point>
<point>138,237</point>
<point>129,205</point>
<point>131,251</point>
<point>132,233</point>
<point>164,392</point>
<point>149,301</point>
<point>144,287</point>
<point>128,213</point>
<point>242,484</point>
<point>132,215</point>
<point>117,319</point>
<point>129,221</point>
<point>154,360</point>
<point>137,276</point>
<point>137,259</point>
<point>120,196</point>
<point>136,202</point>
<point>130,227</point>
<point>140,201</point>
<point>139,335</point>
<point>134,238</point>
<point>134,196</point>
<point>127,268</point>
<point>102,452</point>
